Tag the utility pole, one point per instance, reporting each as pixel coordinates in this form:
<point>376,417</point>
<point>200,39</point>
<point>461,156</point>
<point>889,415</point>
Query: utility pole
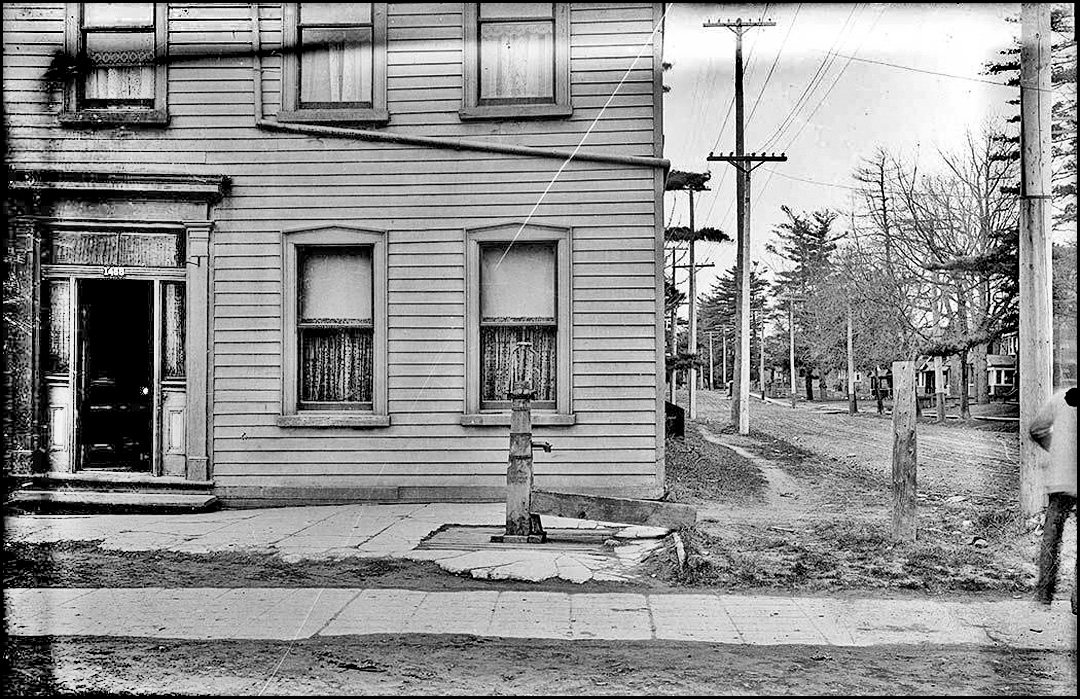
<point>852,404</point>
<point>691,344</point>
<point>744,164</point>
<point>1036,329</point>
<point>723,370</point>
<point>674,332</point>
<point>791,347</point>
<point>712,386</point>
<point>761,349</point>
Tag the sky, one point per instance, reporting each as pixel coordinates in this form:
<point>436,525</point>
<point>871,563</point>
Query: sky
<point>856,107</point>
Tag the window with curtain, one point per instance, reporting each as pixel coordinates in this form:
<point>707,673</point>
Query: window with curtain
<point>335,327</point>
<point>518,304</point>
<point>517,52</point>
<point>335,45</point>
<point>172,331</point>
<point>119,40</point>
<point>517,59</point>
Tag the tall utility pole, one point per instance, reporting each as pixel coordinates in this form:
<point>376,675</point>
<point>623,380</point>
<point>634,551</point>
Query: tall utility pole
<point>712,386</point>
<point>853,406</point>
<point>723,369</point>
<point>1036,328</point>
<point>791,299</point>
<point>691,345</point>
<point>744,164</point>
<point>761,349</point>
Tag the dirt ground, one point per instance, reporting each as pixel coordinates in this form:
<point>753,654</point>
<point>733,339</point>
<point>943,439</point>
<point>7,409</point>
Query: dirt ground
<point>798,506</point>
<point>463,665</point>
<point>821,521</point>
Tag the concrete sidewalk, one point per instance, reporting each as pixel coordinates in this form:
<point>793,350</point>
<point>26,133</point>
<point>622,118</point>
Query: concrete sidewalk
<point>288,614</point>
<point>363,531</point>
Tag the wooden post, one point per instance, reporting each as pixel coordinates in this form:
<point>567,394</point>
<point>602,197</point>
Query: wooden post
<point>853,406</point>
<point>761,352</point>
<point>939,389</point>
<point>905,457</point>
<point>1036,329</point>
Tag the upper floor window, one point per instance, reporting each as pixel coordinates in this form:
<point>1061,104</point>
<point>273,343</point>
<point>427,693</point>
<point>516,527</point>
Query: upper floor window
<point>517,60</point>
<point>122,47</point>
<point>336,69</point>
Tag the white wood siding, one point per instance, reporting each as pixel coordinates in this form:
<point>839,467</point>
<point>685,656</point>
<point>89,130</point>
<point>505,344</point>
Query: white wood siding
<point>424,198</point>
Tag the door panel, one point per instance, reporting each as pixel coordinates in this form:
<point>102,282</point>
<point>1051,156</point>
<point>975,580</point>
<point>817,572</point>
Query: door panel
<point>116,382</point>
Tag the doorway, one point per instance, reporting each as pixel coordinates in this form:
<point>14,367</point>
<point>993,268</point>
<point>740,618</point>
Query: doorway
<point>115,377</point>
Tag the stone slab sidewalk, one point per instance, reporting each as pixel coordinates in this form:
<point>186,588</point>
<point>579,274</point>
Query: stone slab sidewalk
<point>344,531</point>
<point>289,614</point>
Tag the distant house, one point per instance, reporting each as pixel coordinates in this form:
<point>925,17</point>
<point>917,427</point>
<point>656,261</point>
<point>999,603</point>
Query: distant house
<point>284,252</point>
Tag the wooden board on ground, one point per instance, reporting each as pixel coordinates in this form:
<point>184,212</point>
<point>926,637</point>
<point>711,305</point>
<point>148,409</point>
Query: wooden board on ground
<point>651,513</point>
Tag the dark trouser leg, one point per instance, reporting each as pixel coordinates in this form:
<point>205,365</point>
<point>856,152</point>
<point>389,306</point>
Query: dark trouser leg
<point>1057,511</point>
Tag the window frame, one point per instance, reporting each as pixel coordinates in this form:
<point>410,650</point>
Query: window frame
<point>471,105</point>
<point>76,113</point>
<point>291,111</point>
<point>292,241</point>
<point>562,413</point>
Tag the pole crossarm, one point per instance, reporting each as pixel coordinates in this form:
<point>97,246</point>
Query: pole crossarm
<point>748,162</point>
<point>738,25</point>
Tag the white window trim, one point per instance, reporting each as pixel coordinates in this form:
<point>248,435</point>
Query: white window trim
<point>470,77</point>
<point>290,74</point>
<point>520,233</point>
<point>74,113</point>
<point>333,236</point>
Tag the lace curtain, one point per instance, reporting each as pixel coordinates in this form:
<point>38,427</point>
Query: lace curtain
<point>500,365</point>
<point>335,365</point>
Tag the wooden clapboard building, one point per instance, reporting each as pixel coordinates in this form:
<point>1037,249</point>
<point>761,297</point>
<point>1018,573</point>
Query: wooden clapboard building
<point>282,252</point>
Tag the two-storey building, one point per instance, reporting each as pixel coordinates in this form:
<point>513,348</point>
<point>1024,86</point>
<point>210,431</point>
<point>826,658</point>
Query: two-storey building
<point>284,252</point>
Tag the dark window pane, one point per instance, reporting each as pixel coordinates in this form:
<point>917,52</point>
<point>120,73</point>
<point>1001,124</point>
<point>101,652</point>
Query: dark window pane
<point>57,326</point>
<point>335,365</point>
<point>172,316</point>
<point>500,365</point>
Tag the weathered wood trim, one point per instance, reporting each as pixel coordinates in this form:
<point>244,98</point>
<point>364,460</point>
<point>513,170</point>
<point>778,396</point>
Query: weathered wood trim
<point>197,349</point>
<point>524,233</point>
<point>290,73</point>
<point>503,419</point>
<point>293,237</point>
<point>464,144</point>
<point>21,338</point>
<point>472,109</point>
<point>659,20</point>
<point>332,419</point>
<point>73,113</point>
<point>654,513</point>
<point>203,187</point>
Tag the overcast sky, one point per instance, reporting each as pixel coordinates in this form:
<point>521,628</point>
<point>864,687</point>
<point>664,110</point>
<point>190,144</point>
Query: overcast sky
<point>867,104</point>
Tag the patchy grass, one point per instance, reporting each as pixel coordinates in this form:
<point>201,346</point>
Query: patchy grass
<point>699,471</point>
<point>846,555</point>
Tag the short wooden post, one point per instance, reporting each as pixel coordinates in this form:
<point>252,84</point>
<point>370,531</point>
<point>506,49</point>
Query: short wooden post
<point>904,460</point>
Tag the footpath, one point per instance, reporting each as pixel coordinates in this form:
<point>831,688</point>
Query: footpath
<point>441,533</point>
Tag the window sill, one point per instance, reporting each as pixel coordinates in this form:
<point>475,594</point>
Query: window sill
<point>302,116</point>
<point>365,420</point>
<point>503,419</point>
<point>515,111</point>
<point>115,117</point>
